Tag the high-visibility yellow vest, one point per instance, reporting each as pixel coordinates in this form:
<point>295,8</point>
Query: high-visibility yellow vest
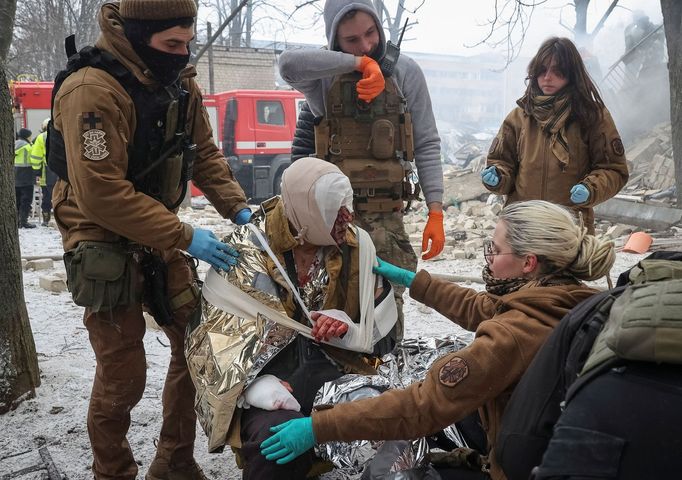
<point>38,159</point>
<point>22,154</point>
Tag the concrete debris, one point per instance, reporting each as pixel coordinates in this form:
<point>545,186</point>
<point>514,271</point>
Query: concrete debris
<point>55,283</point>
<point>652,169</point>
<point>40,264</point>
<point>648,201</point>
<point>654,217</point>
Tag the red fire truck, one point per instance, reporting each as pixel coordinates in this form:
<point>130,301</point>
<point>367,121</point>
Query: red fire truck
<point>254,128</point>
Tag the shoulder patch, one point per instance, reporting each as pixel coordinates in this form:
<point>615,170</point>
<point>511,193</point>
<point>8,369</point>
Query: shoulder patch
<point>617,147</point>
<point>453,372</point>
<point>91,121</point>
<point>94,144</point>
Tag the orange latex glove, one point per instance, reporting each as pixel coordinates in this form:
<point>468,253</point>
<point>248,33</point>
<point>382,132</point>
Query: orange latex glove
<point>435,234</point>
<point>326,327</point>
<point>372,83</point>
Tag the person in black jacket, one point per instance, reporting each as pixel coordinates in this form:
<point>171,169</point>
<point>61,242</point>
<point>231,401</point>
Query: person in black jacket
<point>303,144</point>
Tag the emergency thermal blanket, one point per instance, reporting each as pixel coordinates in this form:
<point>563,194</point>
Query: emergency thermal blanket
<point>244,325</point>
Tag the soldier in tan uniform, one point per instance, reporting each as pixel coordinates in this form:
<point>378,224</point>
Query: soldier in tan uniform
<point>560,144</point>
<point>129,131</point>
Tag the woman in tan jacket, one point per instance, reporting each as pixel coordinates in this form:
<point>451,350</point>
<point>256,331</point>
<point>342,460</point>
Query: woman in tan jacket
<point>560,143</point>
<point>536,260</point>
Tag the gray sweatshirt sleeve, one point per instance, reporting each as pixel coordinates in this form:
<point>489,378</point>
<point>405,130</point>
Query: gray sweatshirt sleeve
<point>311,71</point>
<point>412,83</point>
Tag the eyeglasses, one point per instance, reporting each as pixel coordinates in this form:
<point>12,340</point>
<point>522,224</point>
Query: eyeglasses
<point>488,253</point>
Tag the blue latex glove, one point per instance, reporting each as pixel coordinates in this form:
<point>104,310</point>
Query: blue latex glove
<point>243,216</point>
<point>394,274</point>
<point>205,246</point>
<point>490,176</point>
<point>579,194</point>
<point>290,440</point>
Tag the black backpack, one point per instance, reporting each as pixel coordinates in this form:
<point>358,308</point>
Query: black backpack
<point>536,403</point>
<point>86,57</point>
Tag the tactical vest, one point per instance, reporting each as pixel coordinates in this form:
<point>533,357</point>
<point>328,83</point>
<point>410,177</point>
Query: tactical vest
<point>161,155</point>
<point>372,144</point>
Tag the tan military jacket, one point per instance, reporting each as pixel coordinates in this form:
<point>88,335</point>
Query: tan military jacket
<point>97,119</point>
<point>530,171</point>
<point>509,332</point>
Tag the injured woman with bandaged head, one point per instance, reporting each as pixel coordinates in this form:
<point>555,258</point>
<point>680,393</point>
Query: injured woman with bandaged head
<point>301,307</point>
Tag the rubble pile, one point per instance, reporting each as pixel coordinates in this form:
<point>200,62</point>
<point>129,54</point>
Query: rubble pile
<point>652,169</point>
<point>460,149</point>
<point>470,215</point>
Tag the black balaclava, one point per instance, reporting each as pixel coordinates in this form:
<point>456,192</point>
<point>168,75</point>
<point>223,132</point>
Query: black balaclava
<point>166,67</point>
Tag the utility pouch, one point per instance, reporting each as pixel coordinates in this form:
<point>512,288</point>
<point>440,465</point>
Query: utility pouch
<point>382,139</point>
<point>99,275</point>
<point>170,183</point>
<point>155,273</point>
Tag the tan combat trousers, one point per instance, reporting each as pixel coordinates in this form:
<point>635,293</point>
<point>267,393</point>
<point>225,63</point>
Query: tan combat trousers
<point>116,338</point>
<point>387,231</point>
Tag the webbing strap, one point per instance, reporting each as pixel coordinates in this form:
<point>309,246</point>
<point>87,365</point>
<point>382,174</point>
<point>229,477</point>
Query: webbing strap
<point>183,298</point>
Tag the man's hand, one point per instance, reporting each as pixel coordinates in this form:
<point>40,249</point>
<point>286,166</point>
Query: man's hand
<point>290,440</point>
<point>327,327</point>
<point>579,194</point>
<point>394,274</point>
<point>490,176</point>
<point>243,216</point>
<point>205,246</point>
<point>433,234</point>
<point>372,83</point>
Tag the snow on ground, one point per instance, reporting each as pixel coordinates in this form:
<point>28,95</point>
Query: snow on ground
<point>56,417</point>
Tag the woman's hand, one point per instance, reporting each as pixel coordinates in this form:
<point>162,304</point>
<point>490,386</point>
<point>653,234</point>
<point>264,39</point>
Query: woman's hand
<point>394,274</point>
<point>290,440</point>
<point>326,327</point>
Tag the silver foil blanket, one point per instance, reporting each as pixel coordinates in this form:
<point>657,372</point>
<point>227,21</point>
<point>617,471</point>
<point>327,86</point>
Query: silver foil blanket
<point>407,364</point>
<point>224,351</point>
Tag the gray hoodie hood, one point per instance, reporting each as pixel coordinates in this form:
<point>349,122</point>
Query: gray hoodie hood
<point>334,10</point>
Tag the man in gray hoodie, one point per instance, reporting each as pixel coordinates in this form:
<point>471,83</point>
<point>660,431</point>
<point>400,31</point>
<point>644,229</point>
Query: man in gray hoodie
<point>356,42</point>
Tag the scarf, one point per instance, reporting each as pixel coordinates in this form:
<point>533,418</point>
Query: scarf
<point>504,286</point>
<point>551,113</point>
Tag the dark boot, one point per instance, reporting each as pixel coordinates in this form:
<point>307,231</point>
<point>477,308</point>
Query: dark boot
<point>46,219</point>
<point>27,225</point>
<point>161,470</point>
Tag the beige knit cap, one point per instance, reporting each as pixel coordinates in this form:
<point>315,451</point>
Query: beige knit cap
<point>157,9</point>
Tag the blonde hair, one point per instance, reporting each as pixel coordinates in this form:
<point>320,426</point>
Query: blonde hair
<point>551,233</point>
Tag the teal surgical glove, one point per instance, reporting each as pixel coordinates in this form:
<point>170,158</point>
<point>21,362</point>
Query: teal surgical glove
<point>205,246</point>
<point>290,440</point>
<point>490,176</point>
<point>394,274</point>
<point>243,216</point>
<point>579,194</point>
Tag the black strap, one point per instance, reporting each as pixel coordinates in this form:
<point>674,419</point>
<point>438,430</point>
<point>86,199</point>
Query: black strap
<point>70,45</point>
<point>290,265</point>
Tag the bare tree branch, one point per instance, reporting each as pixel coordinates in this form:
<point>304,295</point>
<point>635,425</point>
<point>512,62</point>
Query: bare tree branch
<point>39,32</point>
<point>210,41</point>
